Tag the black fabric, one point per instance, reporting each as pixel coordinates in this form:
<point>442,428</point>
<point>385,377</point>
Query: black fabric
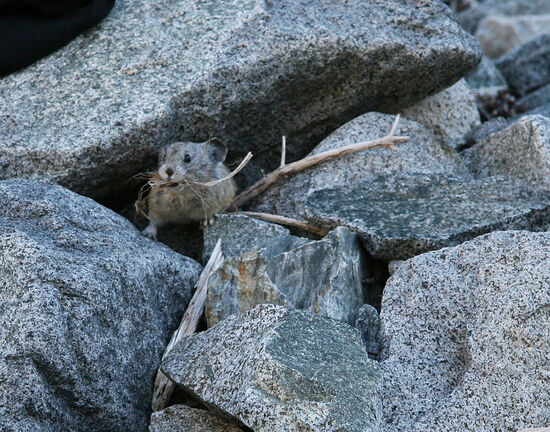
<point>31,29</point>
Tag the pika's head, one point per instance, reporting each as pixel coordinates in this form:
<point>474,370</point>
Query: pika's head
<point>190,160</point>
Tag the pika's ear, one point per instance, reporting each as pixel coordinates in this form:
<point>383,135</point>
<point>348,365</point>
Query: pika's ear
<point>216,150</point>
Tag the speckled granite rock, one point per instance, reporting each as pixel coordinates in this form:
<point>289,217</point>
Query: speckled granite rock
<point>535,99</point>
<point>326,277</point>
<point>498,34</point>
<point>520,151</point>
<point>465,337</point>
<point>86,307</point>
<point>471,17</point>
<point>401,216</point>
<point>422,154</point>
<point>95,112</point>
<point>278,369</point>
<point>181,418</point>
<point>485,76</point>
<point>368,324</point>
<point>245,234</point>
<point>485,129</point>
<point>527,67</point>
<point>449,114</point>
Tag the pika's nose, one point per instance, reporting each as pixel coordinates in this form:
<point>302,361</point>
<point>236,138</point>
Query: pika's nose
<point>169,171</point>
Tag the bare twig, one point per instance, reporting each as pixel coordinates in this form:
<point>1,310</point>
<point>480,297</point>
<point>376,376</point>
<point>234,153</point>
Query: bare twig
<point>286,221</point>
<point>163,386</point>
<point>283,152</point>
<point>389,141</point>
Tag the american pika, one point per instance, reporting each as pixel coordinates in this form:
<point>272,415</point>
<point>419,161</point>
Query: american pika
<point>186,167</point>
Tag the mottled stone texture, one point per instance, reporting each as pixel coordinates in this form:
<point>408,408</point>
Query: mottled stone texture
<point>520,151</point>
<point>248,72</point>
<point>421,154</point>
<point>499,34</point>
<point>465,337</point>
<point>86,307</point>
<point>368,324</point>
<point>399,217</point>
<point>277,369</point>
<point>449,114</point>
<point>181,418</point>
<point>245,234</point>
<point>527,67</point>
<point>326,277</point>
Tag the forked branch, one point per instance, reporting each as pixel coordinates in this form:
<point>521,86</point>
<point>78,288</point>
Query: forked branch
<point>389,141</point>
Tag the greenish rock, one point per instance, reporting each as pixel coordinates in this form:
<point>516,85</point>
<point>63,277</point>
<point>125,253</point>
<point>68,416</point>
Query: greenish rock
<point>398,217</point>
<point>278,369</point>
<point>326,277</point>
<point>181,418</point>
<point>96,112</point>
<point>421,154</point>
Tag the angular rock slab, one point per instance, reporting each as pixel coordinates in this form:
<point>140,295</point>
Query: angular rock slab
<point>241,233</point>
<point>465,337</point>
<point>485,76</point>
<point>249,71</point>
<point>278,369</point>
<point>527,67</point>
<point>499,34</point>
<point>535,99</point>
<point>86,307</point>
<point>421,154</point>
<point>403,216</point>
<point>181,418</point>
<point>326,277</point>
<point>449,114</point>
<point>520,151</point>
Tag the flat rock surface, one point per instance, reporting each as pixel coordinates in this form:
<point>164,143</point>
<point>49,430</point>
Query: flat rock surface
<point>181,418</point>
<point>485,75</point>
<point>421,154</point>
<point>449,114</point>
<point>277,369</point>
<point>527,67</point>
<point>465,337</point>
<point>326,277</point>
<point>520,151</point>
<point>86,307</point>
<point>399,217</point>
<point>95,112</point>
<point>535,99</point>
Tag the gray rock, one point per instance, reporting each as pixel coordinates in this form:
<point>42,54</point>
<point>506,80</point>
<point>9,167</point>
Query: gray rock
<point>181,418</point>
<point>500,34</point>
<point>521,151</point>
<point>398,217</point>
<point>278,369</point>
<point>449,114</point>
<point>86,307</point>
<point>535,99</point>
<point>485,129</point>
<point>527,67</point>
<point>241,233</point>
<point>465,337</point>
<point>326,277</point>
<point>470,18</point>
<point>368,324</point>
<point>394,265</point>
<point>422,154</point>
<point>95,112</point>
<point>486,76</point>
<point>543,110</point>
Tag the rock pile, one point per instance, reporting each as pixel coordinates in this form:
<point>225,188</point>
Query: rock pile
<point>302,332</point>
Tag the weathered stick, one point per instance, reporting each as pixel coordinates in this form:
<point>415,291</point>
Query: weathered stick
<point>389,141</point>
<point>163,386</point>
<point>286,221</point>
<point>283,152</point>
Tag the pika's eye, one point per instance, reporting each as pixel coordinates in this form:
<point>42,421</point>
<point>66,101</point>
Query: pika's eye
<point>187,158</point>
